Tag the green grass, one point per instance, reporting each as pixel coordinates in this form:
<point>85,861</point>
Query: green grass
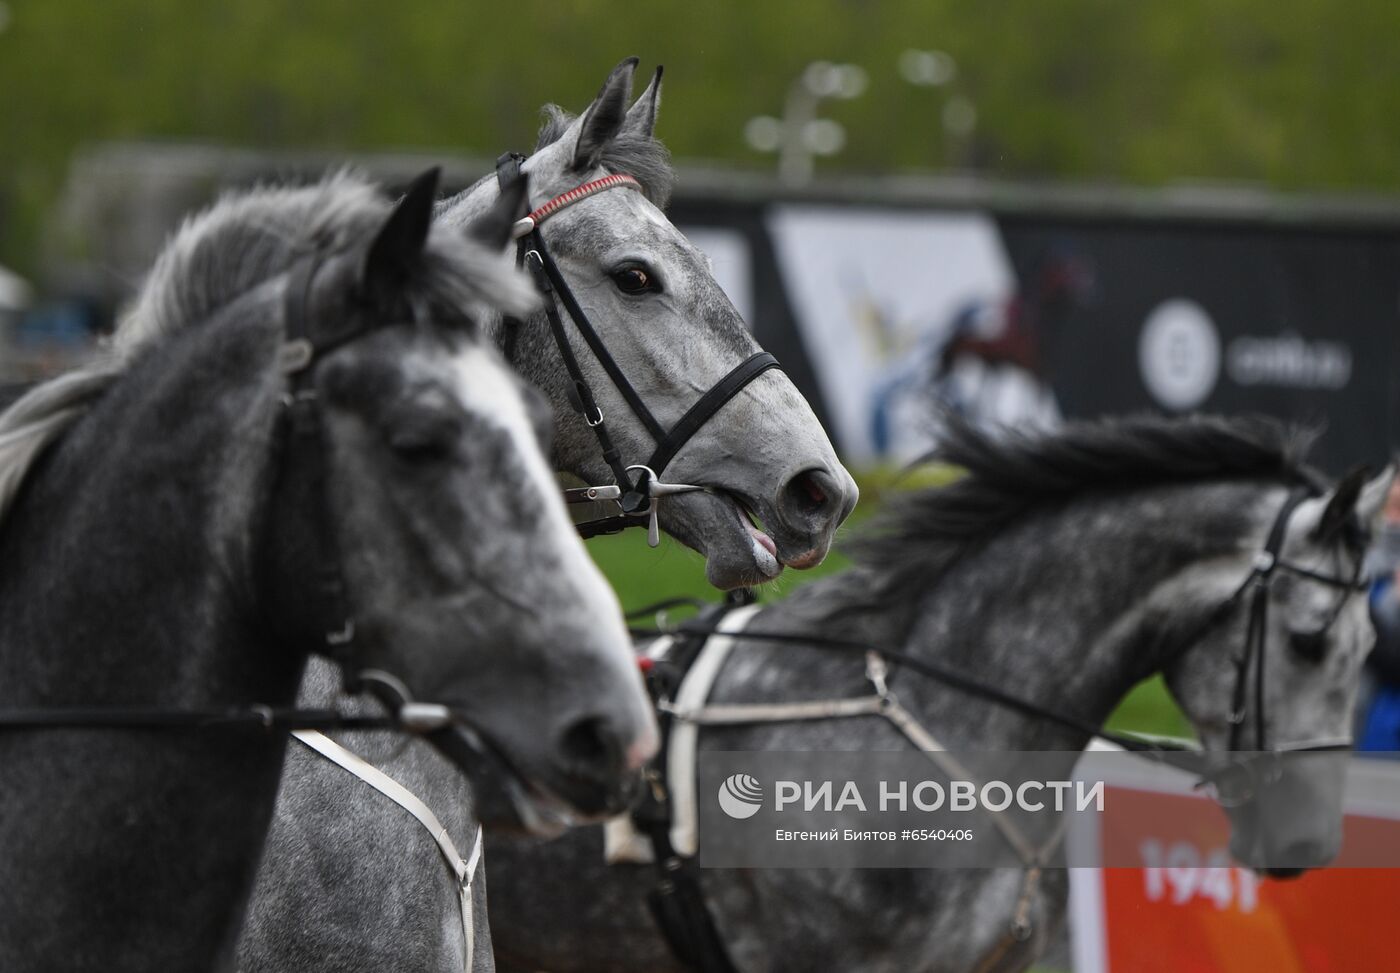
<point>642,576</point>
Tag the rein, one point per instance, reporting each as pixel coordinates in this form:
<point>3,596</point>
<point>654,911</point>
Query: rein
<point>636,497</point>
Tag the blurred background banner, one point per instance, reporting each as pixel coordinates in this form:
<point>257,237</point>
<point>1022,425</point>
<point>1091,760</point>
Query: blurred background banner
<point>884,298</point>
<point>1025,210</point>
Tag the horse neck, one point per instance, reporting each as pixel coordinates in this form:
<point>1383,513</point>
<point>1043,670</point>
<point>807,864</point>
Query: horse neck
<point>1056,609</point>
<point>137,535</point>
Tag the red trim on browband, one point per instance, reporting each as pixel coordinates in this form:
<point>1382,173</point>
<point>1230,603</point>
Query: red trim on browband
<point>615,181</point>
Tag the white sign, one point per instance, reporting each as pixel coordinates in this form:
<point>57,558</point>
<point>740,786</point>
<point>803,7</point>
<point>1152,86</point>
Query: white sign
<point>1179,354</point>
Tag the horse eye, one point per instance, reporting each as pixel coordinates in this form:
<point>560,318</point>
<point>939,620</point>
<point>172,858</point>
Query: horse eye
<point>633,280</point>
<point>423,440</point>
<point>418,450</point>
<point>1311,646</point>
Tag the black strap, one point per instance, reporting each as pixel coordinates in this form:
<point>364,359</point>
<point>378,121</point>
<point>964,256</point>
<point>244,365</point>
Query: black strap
<point>1256,635</point>
<point>507,173</point>
<point>595,343</point>
<point>931,670</point>
<point>303,443</point>
<point>280,719</point>
<point>582,393</point>
<point>710,403</point>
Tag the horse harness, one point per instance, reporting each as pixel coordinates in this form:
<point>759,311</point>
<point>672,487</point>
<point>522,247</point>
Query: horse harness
<point>462,870</point>
<point>300,449</point>
<point>680,676</point>
<point>637,497</point>
<point>682,672</point>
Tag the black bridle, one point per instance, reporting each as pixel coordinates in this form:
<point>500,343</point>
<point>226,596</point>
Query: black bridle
<point>636,496</point>
<point>301,449</point>
<point>1269,562</point>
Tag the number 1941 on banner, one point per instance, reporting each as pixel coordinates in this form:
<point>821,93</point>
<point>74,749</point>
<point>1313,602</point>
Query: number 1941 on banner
<point>1179,872</point>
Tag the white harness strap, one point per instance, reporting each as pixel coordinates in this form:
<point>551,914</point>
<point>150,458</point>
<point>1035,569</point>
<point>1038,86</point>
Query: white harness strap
<point>691,712</point>
<point>680,752</point>
<point>463,869</point>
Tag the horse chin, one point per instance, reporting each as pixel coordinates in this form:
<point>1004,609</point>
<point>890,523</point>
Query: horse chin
<point>540,813</point>
<point>737,554</point>
<point>1283,873</point>
<point>504,795</point>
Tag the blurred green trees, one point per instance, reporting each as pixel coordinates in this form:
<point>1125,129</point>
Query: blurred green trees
<point>1293,93</point>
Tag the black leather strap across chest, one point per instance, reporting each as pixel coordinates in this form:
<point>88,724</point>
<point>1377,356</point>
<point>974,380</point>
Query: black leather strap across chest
<point>636,494</point>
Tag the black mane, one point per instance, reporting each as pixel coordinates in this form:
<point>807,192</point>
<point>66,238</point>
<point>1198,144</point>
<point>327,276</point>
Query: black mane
<point>1009,473</point>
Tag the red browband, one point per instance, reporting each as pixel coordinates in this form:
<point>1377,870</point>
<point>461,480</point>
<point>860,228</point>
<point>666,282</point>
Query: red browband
<point>616,181</point>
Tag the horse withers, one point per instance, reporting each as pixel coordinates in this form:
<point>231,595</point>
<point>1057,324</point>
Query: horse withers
<point>298,444</point>
<point>1059,572</point>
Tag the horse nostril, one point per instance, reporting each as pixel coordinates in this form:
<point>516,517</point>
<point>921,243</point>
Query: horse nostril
<point>592,747</point>
<point>810,494</point>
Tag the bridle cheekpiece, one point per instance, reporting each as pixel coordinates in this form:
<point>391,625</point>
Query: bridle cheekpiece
<point>637,496</point>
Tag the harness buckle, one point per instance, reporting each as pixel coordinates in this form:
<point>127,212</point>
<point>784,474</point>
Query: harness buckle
<point>295,355</point>
<point>876,670</point>
<point>1264,562</point>
<point>424,717</point>
<point>344,636</point>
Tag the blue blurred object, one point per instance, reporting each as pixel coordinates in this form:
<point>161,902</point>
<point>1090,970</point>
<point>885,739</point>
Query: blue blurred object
<point>66,323</point>
<point>1380,729</point>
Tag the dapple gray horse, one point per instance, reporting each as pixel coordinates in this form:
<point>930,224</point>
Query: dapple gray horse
<point>350,882</point>
<point>1062,571</point>
<point>299,393</point>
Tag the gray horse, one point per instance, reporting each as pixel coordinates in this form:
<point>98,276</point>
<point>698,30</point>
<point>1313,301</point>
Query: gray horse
<point>1062,571</point>
<point>350,882</point>
<point>298,391</point>
<point>674,334</point>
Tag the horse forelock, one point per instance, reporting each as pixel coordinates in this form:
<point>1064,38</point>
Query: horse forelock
<point>243,240</point>
<point>643,157</point>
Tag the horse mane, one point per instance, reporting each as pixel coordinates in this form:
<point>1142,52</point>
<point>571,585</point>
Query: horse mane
<point>643,157</point>
<point>244,239</point>
<point>1007,474</point>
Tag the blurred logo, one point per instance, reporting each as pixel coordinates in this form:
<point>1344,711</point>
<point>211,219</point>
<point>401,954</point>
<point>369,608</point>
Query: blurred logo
<point>740,796</point>
<point>1289,361</point>
<point>1179,354</point>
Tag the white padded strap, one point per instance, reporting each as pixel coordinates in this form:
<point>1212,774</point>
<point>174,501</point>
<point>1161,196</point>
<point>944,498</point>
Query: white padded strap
<point>680,751</point>
<point>463,869</point>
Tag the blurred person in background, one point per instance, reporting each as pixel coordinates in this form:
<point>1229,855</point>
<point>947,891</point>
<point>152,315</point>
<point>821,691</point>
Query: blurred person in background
<point>1380,729</point>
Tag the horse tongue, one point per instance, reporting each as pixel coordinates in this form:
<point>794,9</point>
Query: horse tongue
<point>763,540</point>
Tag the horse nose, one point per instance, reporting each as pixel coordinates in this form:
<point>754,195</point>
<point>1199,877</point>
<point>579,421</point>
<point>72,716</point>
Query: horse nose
<point>601,751</point>
<point>813,497</point>
<point>1304,854</point>
<point>814,503</point>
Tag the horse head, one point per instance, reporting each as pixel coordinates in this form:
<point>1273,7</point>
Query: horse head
<point>775,491</point>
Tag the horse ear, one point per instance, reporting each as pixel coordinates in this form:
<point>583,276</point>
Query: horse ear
<point>1373,497</point>
<point>1341,503</point>
<point>641,117</point>
<point>401,239</point>
<point>605,116</point>
<point>494,228</point>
